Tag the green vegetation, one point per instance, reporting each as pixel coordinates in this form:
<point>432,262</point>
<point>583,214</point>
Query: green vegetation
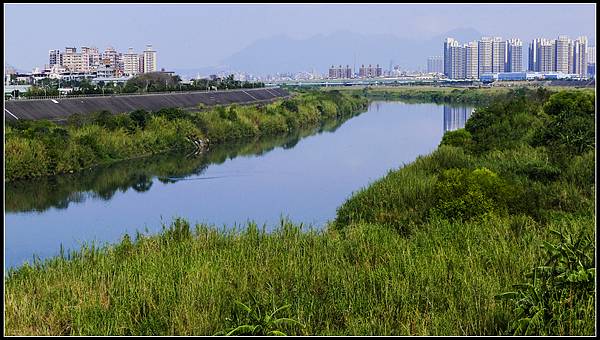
<point>142,83</point>
<point>447,95</point>
<point>103,182</point>
<point>560,298</point>
<point>260,323</point>
<point>438,247</point>
<point>40,148</point>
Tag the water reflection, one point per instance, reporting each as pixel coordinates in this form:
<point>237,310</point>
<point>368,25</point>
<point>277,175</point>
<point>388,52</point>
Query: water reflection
<point>455,117</point>
<point>104,182</point>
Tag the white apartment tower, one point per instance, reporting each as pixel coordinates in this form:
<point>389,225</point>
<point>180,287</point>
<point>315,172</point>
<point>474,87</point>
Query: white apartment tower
<point>591,54</point>
<point>498,55</point>
<point>546,55</point>
<point>471,60</point>
<point>110,57</point>
<point>150,60</point>
<point>131,63</point>
<point>533,49</point>
<point>563,45</point>
<point>580,56</point>
<point>484,46</point>
<point>514,55</point>
<point>454,59</point>
<point>93,57</point>
<point>74,61</point>
<point>435,64</point>
<point>447,61</point>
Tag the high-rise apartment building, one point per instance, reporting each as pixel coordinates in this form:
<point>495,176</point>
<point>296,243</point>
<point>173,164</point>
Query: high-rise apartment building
<point>484,46</point>
<point>591,55</point>
<point>141,63</point>
<point>562,48</point>
<point>93,57</point>
<point>435,64</point>
<point>75,61</point>
<point>131,63</point>
<point>546,55</point>
<point>471,60</point>
<point>454,59</point>
<point>447,62</point>
<point>498,55</point>
<point>580,56</point>
<point>514,55</point>
<point>54,58</point>
<point>370,71</point>
<point>532,57</point>
<point>110,57</point>
<point>150,60</point>
<point>340,72</point>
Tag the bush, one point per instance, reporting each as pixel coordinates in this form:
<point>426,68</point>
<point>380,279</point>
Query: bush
<point>569,128</point>
<point>105,119</point>
<point>140,118</point>
<point>458,138</point>
<point>462,194</point>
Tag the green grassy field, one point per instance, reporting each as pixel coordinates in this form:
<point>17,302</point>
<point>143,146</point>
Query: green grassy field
<point>434,248</point>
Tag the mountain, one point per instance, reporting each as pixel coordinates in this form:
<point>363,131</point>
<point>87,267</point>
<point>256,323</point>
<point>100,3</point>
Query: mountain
<point>284,54</point>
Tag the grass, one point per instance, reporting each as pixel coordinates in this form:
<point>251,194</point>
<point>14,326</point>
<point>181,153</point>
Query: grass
<point>367,280</point>
<point>397,260</point>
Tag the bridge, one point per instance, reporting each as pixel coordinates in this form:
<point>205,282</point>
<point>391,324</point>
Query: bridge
<point>60,108</point>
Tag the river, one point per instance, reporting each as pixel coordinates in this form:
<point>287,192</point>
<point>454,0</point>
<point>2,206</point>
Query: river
<point>304,177</point>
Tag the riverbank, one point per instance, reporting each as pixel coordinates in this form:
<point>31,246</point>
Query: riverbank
<point>447,95</point>
<point>423,251</point>
<point>42,148</point>
<point>60,191</point>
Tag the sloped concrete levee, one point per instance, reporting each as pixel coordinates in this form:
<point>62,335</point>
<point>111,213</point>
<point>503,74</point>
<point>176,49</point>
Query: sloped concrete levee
<point>59,109</point>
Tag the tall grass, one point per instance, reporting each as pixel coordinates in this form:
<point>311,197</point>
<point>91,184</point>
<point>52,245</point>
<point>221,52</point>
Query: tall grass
<point>370,280</point>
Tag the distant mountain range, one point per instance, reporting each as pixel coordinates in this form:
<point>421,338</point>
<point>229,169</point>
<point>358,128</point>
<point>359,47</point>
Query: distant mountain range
<point>284,54</point>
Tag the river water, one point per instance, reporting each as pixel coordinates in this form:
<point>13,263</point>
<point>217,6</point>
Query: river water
<point>304,177</point>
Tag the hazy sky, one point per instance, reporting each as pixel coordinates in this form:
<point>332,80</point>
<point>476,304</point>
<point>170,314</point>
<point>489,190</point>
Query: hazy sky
<point>190,36</point>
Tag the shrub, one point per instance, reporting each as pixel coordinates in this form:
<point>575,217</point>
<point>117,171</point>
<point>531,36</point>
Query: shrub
<point>290,105</point>
<point>140,117</point>
<point>458,138</point>
<point>569,129</point>
<point>462,194</point>
<point>105,119</point>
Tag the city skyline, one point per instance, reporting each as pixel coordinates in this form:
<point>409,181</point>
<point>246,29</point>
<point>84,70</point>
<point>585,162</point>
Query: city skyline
<point>494,55</point>
<point>210,50</point>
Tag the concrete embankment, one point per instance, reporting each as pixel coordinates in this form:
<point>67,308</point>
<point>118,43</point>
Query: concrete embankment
<point>59,109</point>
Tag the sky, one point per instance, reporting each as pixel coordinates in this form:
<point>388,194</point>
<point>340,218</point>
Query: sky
<point>193,36</point>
